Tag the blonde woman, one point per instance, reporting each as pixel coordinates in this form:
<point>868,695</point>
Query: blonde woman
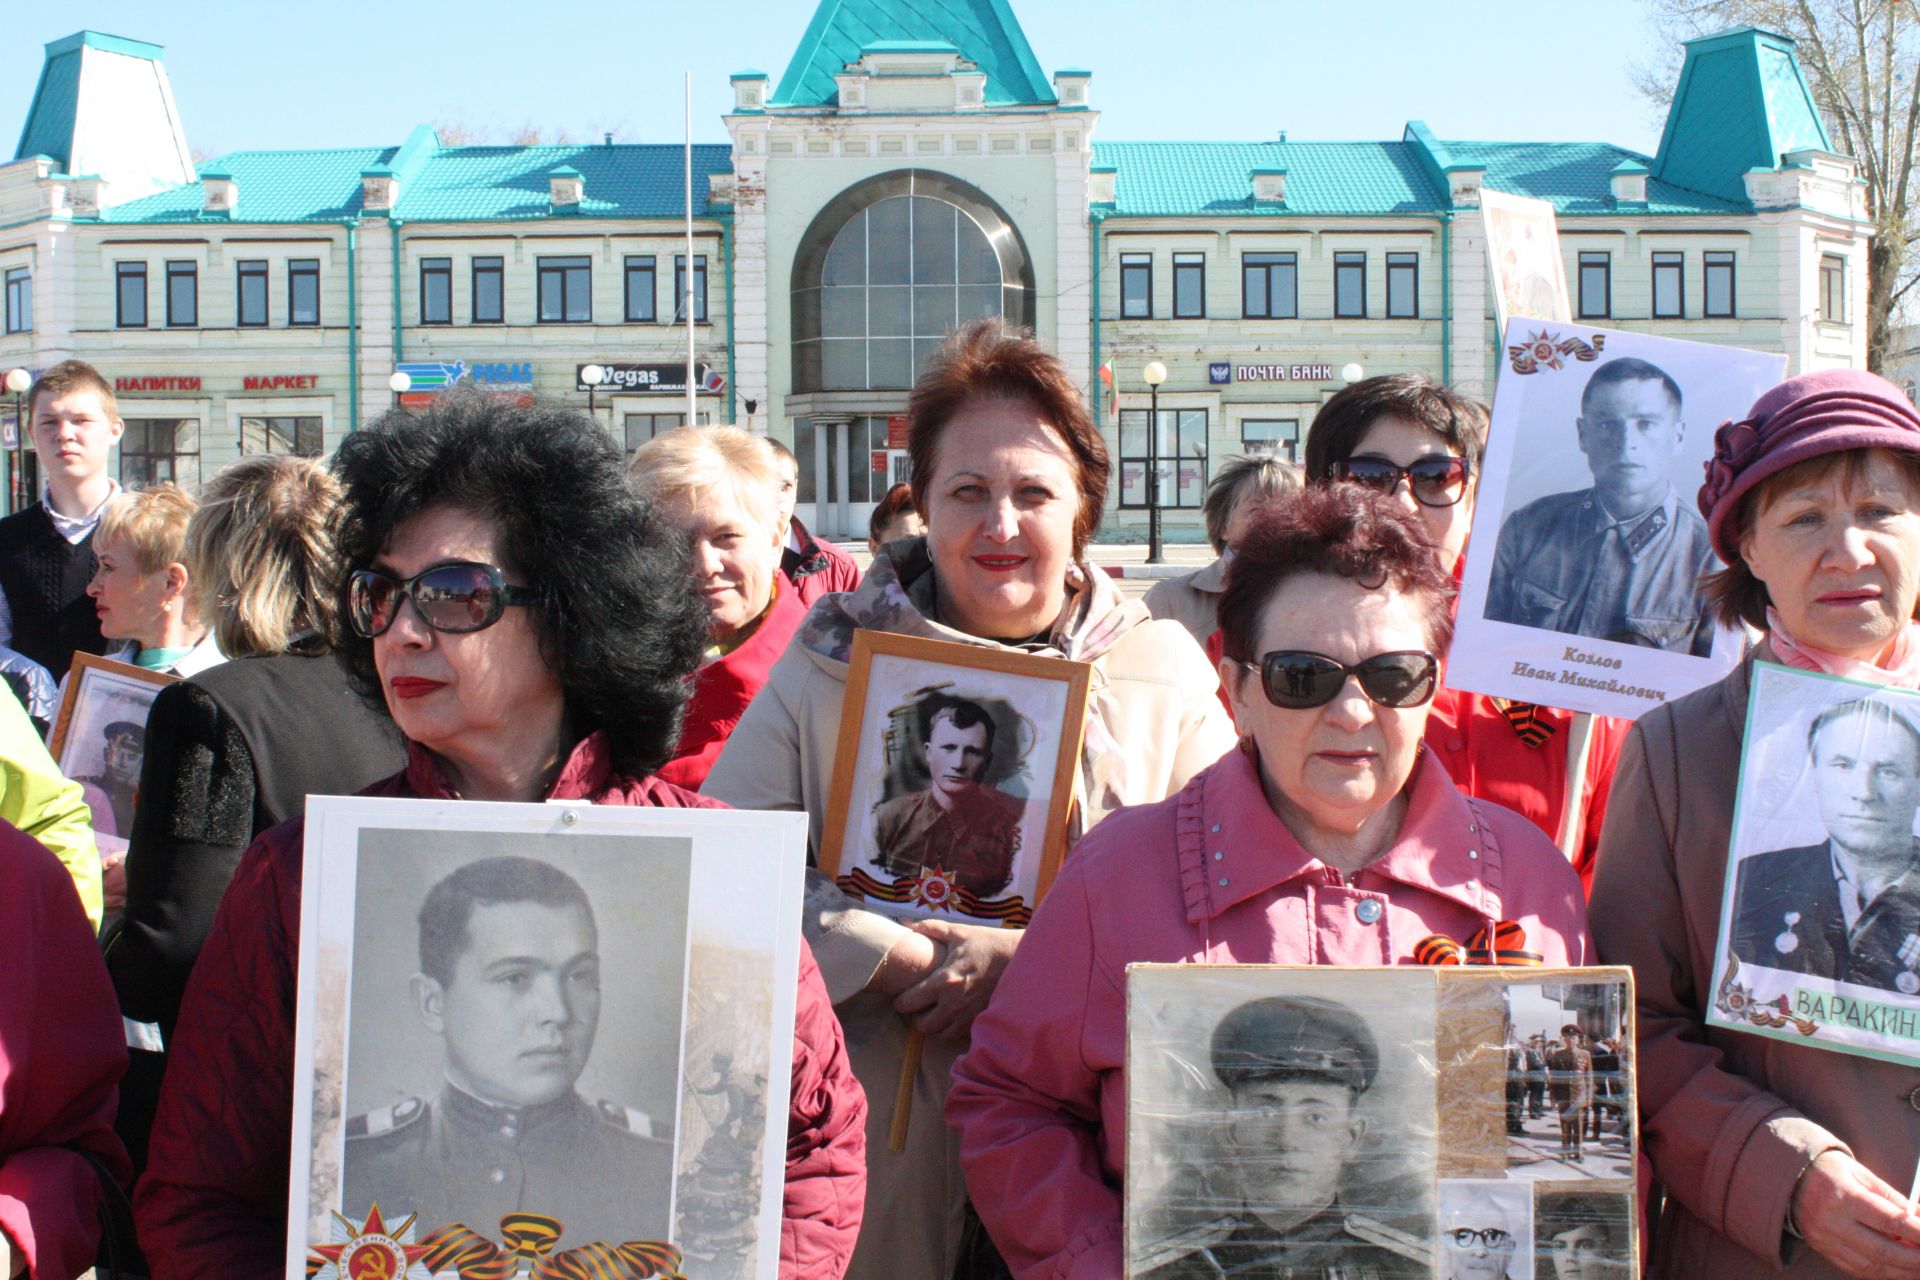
<point>237,748</point>
<point>720,487</point>
<point>140,585</point>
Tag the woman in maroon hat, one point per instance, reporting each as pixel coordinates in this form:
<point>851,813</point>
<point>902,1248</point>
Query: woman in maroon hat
<point>1769,1151</point>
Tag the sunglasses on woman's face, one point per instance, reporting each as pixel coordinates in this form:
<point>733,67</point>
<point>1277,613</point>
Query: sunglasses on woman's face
<point>1298,679</point>
<point>1434,482</point>
<point>454,598</point>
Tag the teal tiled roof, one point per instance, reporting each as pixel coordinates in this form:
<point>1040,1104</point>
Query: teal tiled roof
<point>1741,104</point>
<point>984,31</point>
<point>1577,177</point>
<point>56,104</point>
<point>447,184</point>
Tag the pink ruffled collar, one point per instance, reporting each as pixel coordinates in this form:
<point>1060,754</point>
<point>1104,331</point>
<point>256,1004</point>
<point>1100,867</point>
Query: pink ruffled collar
<point>1901,667</point>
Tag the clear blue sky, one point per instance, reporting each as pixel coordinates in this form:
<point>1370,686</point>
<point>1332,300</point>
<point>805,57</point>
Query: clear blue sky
<point>264,75</point>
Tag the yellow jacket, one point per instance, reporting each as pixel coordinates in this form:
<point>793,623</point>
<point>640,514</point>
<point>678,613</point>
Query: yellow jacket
<point>37,799</point>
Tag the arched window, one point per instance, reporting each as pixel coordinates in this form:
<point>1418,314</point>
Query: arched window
<point>889,268</point>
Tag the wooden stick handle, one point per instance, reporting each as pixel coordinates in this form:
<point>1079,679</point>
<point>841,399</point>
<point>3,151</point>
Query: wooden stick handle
<point>903,1095</point>
<point>1573,812</point>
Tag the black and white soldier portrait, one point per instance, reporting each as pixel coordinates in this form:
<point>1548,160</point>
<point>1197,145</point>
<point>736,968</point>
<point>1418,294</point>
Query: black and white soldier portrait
<point>958,822</point>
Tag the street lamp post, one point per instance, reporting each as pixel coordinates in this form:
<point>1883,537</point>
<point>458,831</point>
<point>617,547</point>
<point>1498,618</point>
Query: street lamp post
<point>1352,373</point>
<point>400,384</point>
<point>593,375</point>
<point>1153,375</point>
<point>18,380</point>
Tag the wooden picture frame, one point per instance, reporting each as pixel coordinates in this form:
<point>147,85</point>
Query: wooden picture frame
<point>99,692</point>
<point>881,814</point>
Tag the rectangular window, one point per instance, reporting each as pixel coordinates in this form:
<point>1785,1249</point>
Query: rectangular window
<point>300,436</point>
<point>251,288</point>
<point>1349,286</point>
<point>1189,286</point>
<point>566,290</point>
<point>1403,286</point>
<point>1181,442</point>
<point>1596,286</point>
<point>303,291</point>
<point>1279,436</point>
<point>1136,286</point>
<point>640,307</point>
<point>489,290</point>
<point>642,427</point>
<point>19,300</point>
<point>1669,286</point>
<point>699,288</point>
<point>1269,286</point>
<point>1718,273</point>
<point>436,291</point>
<point>130,295</point>
<point>1833,288</point>
<point>157,449</point>
<point>183,295</point>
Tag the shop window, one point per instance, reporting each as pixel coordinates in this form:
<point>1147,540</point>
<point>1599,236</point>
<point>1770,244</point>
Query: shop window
<point>1403,286</point>
<point>153,450</point>
<point>1349,286</point>
<point>303,291</point>
<point>640,288</point>
<point>489,291</point>
<point>566,290</point>
<point>183,295</point>
<point>19,300</point>
<point>642,427</point>
<point>1717,268</point>
<point>250,281</point>
<point>1189,286</point>
<point>1280,436</point>
<point>1181,441</point>
<point>1596,286</point>
<point>302,436</point>
<point>130,295</point>
<point>1136,286</point>
<point>699,288</point>
<point>1669,286</point>
<point>1270,286</point>
<point>436,291</point>
<point>1833,288</point>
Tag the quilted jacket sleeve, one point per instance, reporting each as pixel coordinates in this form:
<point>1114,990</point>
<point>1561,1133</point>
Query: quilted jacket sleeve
<point>826,1142</point>
<point>213,1201</point>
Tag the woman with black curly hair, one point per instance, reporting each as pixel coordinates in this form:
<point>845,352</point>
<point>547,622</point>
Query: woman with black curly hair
<point>531,629</point>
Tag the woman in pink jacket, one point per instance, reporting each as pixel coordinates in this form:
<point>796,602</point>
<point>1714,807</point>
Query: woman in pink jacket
<point>1329,837</point>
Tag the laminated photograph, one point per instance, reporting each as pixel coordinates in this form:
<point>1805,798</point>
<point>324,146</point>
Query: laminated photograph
<point>1581,587</point>
<point>1583,1234</point>
<point>953,785</point>
<point>1820,921</point>
<point>1529,277</point>
<point>552,1034</point>
<point>99,739</point>
<point>1280,1121</point>
<point>1486,1230</point>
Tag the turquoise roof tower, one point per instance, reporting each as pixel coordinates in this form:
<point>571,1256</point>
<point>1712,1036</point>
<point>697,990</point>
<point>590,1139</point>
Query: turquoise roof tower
<point>985,32</point>
<point>103,108</point>
<point>1742,103</point>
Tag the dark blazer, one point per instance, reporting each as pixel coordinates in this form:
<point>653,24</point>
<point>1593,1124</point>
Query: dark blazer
<point>1772,886</point>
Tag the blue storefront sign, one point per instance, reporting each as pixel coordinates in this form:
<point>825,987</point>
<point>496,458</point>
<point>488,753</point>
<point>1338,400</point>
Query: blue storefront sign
<point>1219,372</point>
<point>438,375</point>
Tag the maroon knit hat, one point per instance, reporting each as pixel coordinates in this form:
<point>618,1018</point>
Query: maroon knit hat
<point>1804,417</point>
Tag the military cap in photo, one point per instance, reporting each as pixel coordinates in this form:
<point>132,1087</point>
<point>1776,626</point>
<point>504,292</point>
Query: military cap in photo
<point>1295,1036</point>
<point>125,729</point>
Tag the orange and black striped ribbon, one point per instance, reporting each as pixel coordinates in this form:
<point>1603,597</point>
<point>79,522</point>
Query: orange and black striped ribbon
<point>1527,721</point>
<point>1501,943</point>
<point>1012,911</point>
<point>530,1238</point>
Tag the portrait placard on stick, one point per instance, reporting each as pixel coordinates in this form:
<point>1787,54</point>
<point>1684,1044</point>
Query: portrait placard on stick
<point>1819,938</point>
<point>1523,252</point>
<point>99,739</point>
<point>563,1029</point>
<point>1581,587</point>
<point>954,780</point>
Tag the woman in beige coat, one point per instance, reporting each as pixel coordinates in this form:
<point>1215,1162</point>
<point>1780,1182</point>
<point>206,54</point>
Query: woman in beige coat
<point>1772,1154</point>
<point>1010,475</point>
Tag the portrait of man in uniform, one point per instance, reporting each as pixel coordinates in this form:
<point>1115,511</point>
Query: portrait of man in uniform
<point>1570,1087</point>
<point>1846,908</point>
<point>509,983</point>
<point>1620,559</point>
<point>958,823</point>
<point>1296,1069</point>
<point>110,792</point>
<point>1581,1235</point>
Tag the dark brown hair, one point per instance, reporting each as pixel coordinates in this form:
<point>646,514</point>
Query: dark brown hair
<point>1733,594</point>
<point>69,376</point>
<point>988,361</point>
<point>897,503</point>
<point>1338,529</point>
<point>1344,420</point>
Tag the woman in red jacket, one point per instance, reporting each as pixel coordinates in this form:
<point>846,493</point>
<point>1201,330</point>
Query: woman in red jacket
<point>531,630</point>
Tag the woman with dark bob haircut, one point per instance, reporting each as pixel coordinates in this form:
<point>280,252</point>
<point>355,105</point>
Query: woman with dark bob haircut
<point>1332,812</point>
<point>532,630</point>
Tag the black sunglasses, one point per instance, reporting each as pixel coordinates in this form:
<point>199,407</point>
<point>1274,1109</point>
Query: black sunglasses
<point>454,598</point>
<point>1492,1237</point>
<point>1434,482</point>
<point>1298,679</point>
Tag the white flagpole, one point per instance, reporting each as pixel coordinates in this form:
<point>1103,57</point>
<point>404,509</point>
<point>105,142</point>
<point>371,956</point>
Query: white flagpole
<point>686,276</point>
